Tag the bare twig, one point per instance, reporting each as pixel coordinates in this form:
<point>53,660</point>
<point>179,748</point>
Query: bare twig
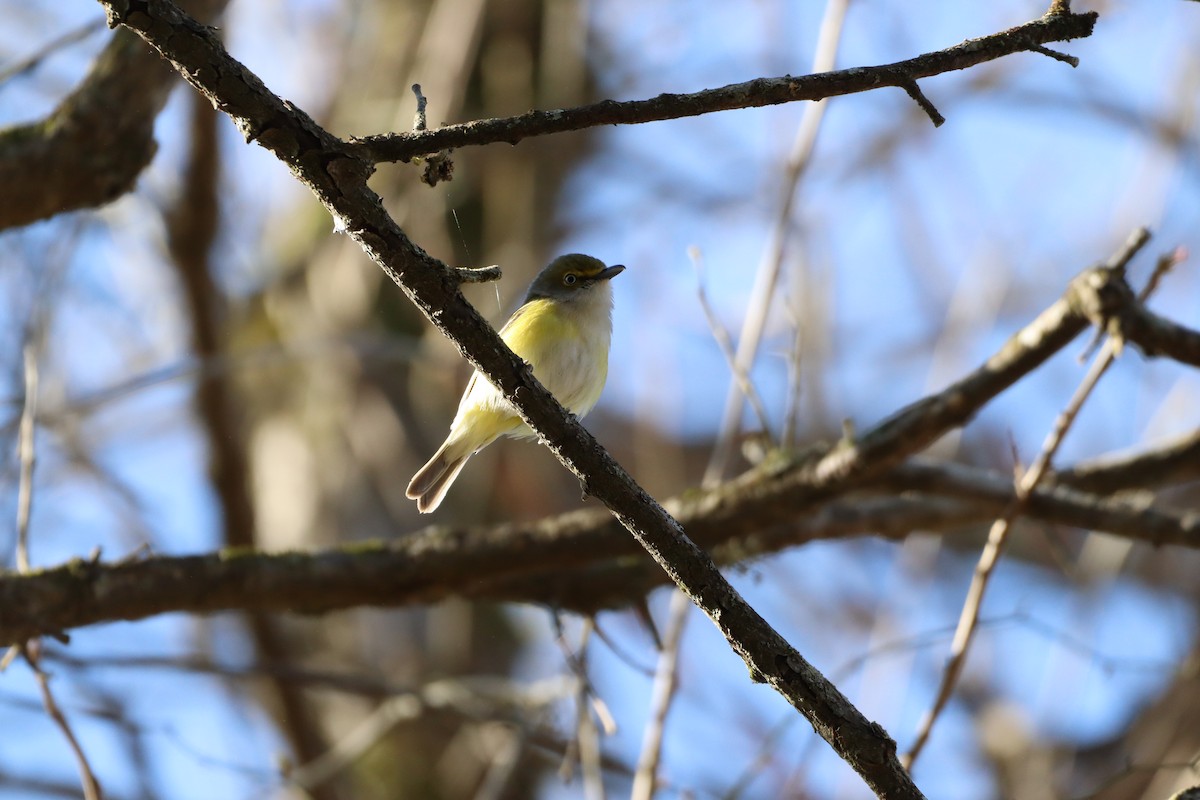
<point>27,459</point>
<point>419,120</point>
<point>765,756</point>
<point>32,61</point>
<point>361,738</point>
<point>762,295</point>
<point>477,274</point>
<point>503,766</point>
<point>935,116</point>
<point>587,738</point>
<point>472,698</point>
<point>1056,55</point>
<point>756,93</point>
<point>91,787</point>
<point>27,456</point>
<point>725,345</point>
<point>795,375</point>
<point>665,682</point>
<point>998,535</point>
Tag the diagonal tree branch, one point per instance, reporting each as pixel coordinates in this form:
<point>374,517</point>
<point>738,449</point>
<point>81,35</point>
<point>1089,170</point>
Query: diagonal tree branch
<point>1030,37</point>
<point>338,177</point>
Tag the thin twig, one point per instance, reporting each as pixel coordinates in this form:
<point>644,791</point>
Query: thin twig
<point>752,94</point>
<point>366,734</point>
<point>665,683</point>
<point>1056,55</point>
<point>766,755</point>
<point>438,168</point>
<point>419,120</point>
<point>725,345</point>
<point>27,455</point>
<point>27,460</point>
<point>771,264</point>
<point>792,405</point>
<point>32,61</point>
<point>477,274</point>
<point>998,535</point>
<point>91,787</point>
<point>935,116</point>
<point>587,738</point>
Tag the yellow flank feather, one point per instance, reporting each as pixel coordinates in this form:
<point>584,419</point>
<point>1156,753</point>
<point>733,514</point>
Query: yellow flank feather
<point>537,329</point>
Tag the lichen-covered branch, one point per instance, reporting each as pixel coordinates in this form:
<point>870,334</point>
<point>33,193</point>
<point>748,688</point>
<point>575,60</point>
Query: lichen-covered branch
<point>581,560</point>
<point>91,149</point>
<point>337,175</point>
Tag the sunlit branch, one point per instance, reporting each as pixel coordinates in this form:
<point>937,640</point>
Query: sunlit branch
<point>337,176</point>
<point>1030,37</point>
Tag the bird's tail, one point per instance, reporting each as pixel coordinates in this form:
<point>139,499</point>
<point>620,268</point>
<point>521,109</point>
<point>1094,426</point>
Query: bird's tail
<point>433,480</point>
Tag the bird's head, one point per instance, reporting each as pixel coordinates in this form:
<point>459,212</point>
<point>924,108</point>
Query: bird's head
<point>572,277</point>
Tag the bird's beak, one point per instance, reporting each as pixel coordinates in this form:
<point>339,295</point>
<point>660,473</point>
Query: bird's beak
<point>608,273</point>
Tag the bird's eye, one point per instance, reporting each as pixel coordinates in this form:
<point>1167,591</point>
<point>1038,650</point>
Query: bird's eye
<point>570,279</point>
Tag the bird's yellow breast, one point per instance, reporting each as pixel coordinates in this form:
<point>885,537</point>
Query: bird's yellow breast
<point>567,347</point>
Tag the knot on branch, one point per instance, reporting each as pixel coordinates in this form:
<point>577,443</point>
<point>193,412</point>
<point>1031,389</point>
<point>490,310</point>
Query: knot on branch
<point>438,166</point>
<point>1102,295</point>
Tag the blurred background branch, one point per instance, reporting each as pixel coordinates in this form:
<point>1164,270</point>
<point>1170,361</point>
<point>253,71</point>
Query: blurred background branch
<point>91,149</point>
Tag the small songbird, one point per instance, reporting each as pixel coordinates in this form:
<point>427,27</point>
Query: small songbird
<point>562,330</point>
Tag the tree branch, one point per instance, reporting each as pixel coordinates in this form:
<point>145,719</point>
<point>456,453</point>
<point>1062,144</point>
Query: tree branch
<point>1155,335</point>
<point>92,147</point>
<point>338,177</point>
<point>1175,462</point>
<point>1030,37</point>
<point>579,560</point>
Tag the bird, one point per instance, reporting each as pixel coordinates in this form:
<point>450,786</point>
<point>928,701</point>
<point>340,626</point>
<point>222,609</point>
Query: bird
<point>563,330</point>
